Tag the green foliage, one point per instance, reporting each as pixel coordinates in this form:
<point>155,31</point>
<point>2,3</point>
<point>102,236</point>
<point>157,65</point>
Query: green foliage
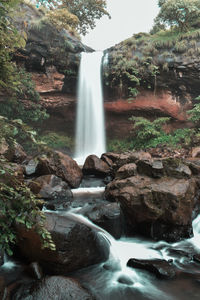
<point>18,205</point>
<point>181,13</point>
<point>16,131</point>
<point>57,141</point>
<point>195,112</point>
<point>79,14</point>
<point>119,145</point>
<point>146,130</point>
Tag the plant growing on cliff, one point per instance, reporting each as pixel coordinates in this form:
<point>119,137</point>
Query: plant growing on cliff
<point>194,113</point>
<point>146,131</point>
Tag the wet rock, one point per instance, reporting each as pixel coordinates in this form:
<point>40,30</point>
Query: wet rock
<point>60,165</point>
<point>106,215</point>
<point>125,171</point>
<point>53,190</point>
<point>196,258</point>
<point>35,271</point>
<point>54,287</point>
<point>77,245</point>
<point>3,289</point>
<point>124,279</point>
<point>161,268</point>
<point>148,203</point>
<point>95,166</point>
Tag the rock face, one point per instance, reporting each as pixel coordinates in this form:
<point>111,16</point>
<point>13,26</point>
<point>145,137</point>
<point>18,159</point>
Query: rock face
<point>159,200</point>
<point>77,246</point>
<point>54,287</point>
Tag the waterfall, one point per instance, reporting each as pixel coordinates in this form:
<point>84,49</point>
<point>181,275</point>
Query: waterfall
<point>90,133</point>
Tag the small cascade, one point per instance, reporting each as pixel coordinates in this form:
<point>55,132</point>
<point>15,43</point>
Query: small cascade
<point>90,133</point>
<point>8,263</point>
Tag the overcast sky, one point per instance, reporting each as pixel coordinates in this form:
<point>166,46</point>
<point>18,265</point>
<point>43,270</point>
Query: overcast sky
<point>127,17</point>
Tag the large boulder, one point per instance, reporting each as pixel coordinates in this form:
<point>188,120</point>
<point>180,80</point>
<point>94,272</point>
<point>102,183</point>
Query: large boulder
<point>58,164</point>
<point>77,245</point>
<point>51,288</point>
<point>95,166</point>
<point>53,190</point>
<point>160,208</point>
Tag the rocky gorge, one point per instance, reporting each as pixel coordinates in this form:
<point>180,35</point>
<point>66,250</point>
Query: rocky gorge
<point>155,197</point>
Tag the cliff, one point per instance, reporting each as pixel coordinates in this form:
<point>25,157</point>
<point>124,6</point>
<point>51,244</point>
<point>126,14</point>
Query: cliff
<point>146,75</point>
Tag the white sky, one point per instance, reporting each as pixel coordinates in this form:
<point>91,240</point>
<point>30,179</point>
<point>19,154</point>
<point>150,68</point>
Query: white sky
<point>127,17</point>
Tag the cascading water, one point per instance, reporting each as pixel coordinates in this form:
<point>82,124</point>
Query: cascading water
<point>90,133</point>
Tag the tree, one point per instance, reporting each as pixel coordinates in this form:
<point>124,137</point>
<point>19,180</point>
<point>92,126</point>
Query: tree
<point>86,12</point>
<point>181,13</point>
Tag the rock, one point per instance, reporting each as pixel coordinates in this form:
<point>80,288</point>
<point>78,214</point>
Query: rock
<point>35,270</point>
<point>51,288</point>
<point>125,171</point>
<point>110,157</point>
<point>3,289</point>
<point>19,154</point>
<point>158,168</point>
<point>194,165</point>
<point>130,157</point>
<point>161,268</point>
<point>146,201</point>
<point>124,279</point>
<point>95,166</point>
<point>196,258</point>
<point>53,189</point>
<point>106,215</point>
<point>195,152</point>
<point>13,153</point>
<point>77,245</point>
<point>31,166</point>
<point>60,165</point>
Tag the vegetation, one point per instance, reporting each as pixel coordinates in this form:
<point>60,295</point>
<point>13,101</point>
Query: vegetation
<point>17,203</point>
<point>80,15</point>
<point>182,13</point>
<point>58,141</point>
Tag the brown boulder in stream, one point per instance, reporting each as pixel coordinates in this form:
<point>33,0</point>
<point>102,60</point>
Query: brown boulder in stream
<point>159,208</point>
<point>60,165</point>
<point>95,166</point>
<point>77,245</point>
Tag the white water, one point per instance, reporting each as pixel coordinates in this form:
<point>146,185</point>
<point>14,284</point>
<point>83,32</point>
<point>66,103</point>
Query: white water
<point>90,133</point>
